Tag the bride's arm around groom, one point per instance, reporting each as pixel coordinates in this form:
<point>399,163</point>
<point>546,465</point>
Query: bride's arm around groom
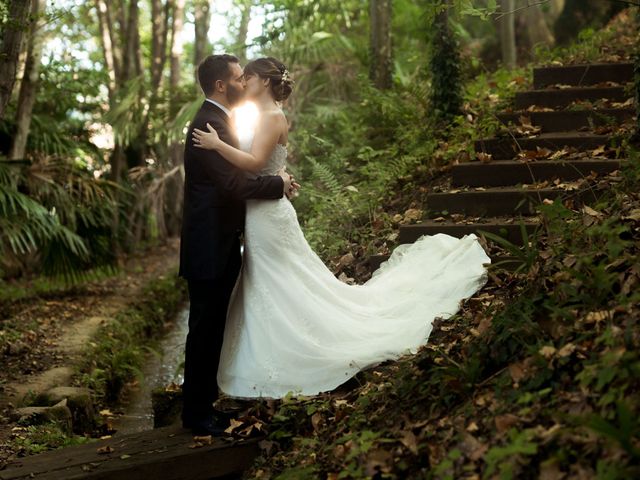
<point>231,180</point>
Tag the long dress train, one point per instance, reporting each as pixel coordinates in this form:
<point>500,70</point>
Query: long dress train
<point>293,327</point>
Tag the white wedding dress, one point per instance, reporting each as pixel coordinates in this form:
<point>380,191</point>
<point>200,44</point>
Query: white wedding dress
<point>293,327</point>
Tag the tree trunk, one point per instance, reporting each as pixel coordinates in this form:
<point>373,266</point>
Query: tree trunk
<point>133,55</point>
<point>114,30</point>
<point>174,192</point>
<point>29,84</point>
<point>381,48</point>
<point>10,46</point>
<point>579,14</point>
<point>555,8</point>
<point>537,29</point>
<point>202,11</point>
<point>243,30</point>
<point>446,84</point>
<point>176,43</point>
<point>159,39</point>
<point>508,33</point>
<point>159,34</point>
<point>106,36</point>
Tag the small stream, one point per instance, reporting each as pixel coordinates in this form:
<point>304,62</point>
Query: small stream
<point>160,369</point>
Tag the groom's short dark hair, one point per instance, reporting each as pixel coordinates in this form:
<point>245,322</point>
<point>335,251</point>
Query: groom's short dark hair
<point>213,68</point>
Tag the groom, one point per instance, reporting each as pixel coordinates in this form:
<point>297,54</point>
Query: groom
<point>213,219</point>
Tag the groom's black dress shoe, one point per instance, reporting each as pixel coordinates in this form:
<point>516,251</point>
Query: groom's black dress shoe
<point>206,427</point>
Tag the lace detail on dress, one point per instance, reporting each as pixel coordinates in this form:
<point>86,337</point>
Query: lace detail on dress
<point>277,160</point>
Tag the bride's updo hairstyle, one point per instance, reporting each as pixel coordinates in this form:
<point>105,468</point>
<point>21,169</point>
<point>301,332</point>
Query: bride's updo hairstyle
<point>280,80</point>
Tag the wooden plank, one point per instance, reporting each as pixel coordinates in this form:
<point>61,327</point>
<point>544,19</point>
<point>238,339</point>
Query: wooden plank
<point>163,453</point>
<point>565,120</point>
<point>513,172</point>
<point>562,98</point>
<point>506,148</point>
<point>501,201</point>
<point>585,74</point>
<point>510,231</point>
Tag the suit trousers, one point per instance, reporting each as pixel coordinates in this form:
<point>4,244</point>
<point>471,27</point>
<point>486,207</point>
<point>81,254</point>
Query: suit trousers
<point>209,302</point>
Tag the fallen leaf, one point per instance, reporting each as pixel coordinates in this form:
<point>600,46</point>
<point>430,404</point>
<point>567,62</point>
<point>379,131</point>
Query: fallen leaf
<point>596,317</point>
<point>233,424</point>
<point>590,211</point>
<point>566,350</point>
<point>472,448</point>
<point>410,441</point>
<point>633,215</point>
<point>484,157</point>
<point>204,439</point>
<point>378,461</point>
<point>550,470</point>
<point>347,259</point>
<point>547,351</point>
<point>412,214</point>
<point>484,325</point>
<point>505,422</point>
<point>517,372</point>
<point>317,420</point>
<point>472,427</point>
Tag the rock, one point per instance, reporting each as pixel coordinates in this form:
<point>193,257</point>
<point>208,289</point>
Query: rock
<point>79,402</point>
<point>58,413</point>
<point>16,348</point>
<point>347,259</point>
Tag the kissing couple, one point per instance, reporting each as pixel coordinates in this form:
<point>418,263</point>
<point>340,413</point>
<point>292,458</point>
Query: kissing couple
<point>267,318</point>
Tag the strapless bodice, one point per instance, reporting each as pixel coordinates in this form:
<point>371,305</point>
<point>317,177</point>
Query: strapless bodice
<point>277,160</point>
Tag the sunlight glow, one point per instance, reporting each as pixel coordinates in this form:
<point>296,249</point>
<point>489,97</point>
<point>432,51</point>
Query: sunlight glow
<point>246,119</point>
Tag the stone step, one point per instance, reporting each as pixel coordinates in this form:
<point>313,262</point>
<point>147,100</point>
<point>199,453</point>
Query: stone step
<point>565,120</point>
<point>512,172</point>
<point>585,74</point>
<point>566,96</point>
<point>507,147</point>
<point>507,229</point>
<point>499,201</point>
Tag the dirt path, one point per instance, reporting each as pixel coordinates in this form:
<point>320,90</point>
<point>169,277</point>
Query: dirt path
<point>42,339</point>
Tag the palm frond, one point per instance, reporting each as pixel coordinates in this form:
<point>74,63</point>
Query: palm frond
<point>128,114</point>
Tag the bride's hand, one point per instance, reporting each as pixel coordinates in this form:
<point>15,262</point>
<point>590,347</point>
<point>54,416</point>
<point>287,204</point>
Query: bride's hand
<point>207,140</point>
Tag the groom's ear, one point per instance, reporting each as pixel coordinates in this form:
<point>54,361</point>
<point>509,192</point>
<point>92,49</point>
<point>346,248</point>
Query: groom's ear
<point>219,86</point>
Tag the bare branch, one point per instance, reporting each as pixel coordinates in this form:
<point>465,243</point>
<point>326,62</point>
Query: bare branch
<point>528,5</point>
<point>627,2</point>
<point>631,3</point>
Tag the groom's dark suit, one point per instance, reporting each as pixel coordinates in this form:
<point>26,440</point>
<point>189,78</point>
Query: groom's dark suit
<point>214,209</point>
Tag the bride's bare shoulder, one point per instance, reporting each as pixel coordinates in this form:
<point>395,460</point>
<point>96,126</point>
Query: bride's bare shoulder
<point>274,115</point>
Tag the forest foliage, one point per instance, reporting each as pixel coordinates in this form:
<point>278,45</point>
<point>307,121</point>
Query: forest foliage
<point>101,170</point>
<point>536,378</point>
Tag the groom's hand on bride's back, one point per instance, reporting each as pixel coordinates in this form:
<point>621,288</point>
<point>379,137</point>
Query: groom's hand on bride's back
<point>287,180</point>
<point>290,185</point>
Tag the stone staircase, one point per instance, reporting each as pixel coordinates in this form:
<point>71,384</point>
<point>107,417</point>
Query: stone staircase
<point>555,147</point>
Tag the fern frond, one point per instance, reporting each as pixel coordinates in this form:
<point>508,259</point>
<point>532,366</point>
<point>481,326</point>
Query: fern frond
<point>322,173</point>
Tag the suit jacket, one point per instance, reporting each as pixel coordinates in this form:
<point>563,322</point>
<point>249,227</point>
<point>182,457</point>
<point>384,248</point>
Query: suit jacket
<point>214,200</point>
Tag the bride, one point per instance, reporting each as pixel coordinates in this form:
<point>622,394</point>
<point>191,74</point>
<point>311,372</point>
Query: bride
<point>291,325</point>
